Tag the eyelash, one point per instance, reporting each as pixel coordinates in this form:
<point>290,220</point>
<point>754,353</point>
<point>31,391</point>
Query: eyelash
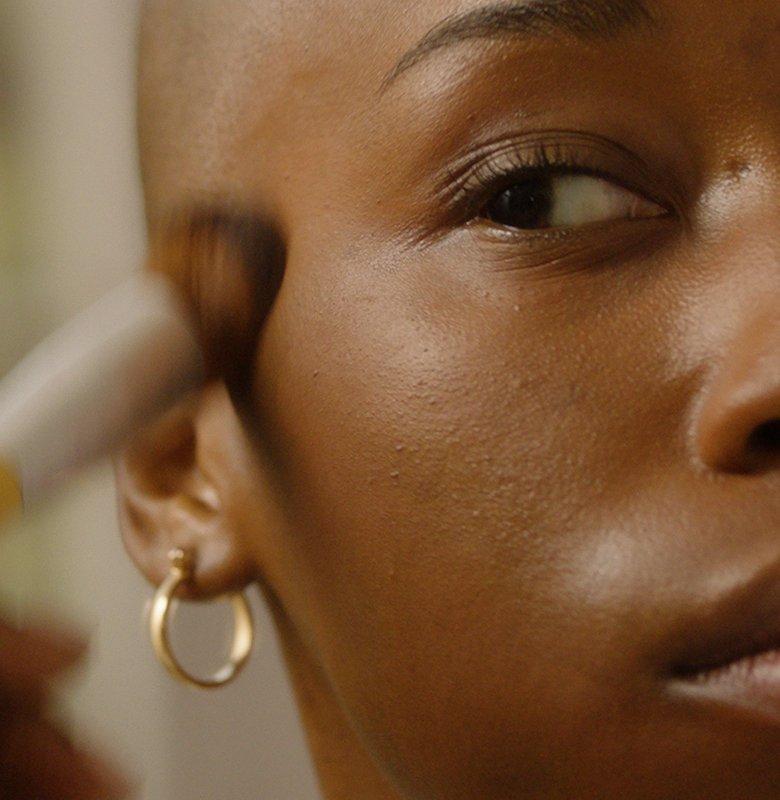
<point>469,189</point>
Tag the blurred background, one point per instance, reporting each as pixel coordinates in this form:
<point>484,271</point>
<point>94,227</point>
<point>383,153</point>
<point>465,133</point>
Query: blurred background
<point>71,228</point>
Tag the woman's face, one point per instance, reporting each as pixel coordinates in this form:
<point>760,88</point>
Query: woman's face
<point>518,394</point>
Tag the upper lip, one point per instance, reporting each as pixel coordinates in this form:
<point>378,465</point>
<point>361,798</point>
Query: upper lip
<point>743,623</point>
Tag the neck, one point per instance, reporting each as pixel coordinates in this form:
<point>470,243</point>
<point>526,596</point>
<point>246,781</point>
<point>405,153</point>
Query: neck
<point>344,767</point>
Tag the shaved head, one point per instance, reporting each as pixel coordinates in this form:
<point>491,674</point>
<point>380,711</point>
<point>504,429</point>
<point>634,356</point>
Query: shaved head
<point>217,75</point>
<point>197,57</point>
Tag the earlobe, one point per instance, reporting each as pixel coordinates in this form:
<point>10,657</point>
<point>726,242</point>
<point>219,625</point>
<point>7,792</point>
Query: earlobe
<point>172,488</point>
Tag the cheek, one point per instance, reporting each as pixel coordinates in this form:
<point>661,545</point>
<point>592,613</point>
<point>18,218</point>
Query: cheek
<point>451,449</point>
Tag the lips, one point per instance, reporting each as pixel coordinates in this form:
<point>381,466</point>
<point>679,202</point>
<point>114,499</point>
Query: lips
<point>746,623</point>
<point>731,649</point>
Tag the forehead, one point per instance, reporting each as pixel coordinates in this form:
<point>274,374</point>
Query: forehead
<point>218,74</point>
<point>212,69</point>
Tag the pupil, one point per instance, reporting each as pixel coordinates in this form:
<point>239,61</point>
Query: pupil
<point>523,205</point>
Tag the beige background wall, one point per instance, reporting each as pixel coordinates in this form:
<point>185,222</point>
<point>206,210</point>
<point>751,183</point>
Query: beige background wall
<point>70,228</point>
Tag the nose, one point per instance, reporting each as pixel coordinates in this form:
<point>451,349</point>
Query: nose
<point>738,426</point>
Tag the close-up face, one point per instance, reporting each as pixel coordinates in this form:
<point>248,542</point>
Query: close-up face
<point>503,448</point>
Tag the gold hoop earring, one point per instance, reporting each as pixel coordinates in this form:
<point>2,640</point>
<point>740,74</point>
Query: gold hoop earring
<point>182,569</point>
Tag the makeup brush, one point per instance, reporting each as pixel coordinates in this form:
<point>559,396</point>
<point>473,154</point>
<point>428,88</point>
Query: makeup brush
<point>81,392</point>
<point>193,316</point>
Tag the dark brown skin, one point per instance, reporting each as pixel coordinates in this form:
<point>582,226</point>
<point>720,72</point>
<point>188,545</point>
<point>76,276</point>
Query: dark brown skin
<point>38,759</point>
<point>486,478</point>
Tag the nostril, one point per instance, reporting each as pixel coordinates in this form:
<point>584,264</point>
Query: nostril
<point>765,438</point>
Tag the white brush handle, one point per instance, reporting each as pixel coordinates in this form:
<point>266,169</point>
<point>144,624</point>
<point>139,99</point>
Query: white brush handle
<point>81,392</point>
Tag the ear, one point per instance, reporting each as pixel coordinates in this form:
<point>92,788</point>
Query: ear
<point>193,480</point>
<point>179,483</point>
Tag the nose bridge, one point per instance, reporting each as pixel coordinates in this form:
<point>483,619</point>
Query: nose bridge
<point>737,428</point>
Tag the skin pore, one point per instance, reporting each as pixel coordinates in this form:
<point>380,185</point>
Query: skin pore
<point>500,480</point>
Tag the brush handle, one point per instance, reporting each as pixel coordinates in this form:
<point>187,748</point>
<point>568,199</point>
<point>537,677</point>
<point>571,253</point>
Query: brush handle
<point>10,490</point>
<point>85,389</point>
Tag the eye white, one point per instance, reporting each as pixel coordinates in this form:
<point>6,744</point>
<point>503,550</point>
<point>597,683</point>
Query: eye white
<point>584,199</point>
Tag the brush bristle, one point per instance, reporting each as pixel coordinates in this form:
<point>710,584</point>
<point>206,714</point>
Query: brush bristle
<point>228,268</point>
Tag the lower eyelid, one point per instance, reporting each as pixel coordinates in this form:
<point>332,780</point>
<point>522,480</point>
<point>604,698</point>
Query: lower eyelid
<point>581,261</point>
<point>548,243</point>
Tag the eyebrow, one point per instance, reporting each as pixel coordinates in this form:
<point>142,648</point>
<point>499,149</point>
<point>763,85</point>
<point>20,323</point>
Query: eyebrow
<point>583,19</point>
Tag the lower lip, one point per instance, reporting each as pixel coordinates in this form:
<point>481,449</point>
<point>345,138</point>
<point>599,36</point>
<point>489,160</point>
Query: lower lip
<point>751,685</point>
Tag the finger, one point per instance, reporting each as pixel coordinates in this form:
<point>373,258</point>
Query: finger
<point>33,703</point>
<point>32,657</point>
<point>38,761</point>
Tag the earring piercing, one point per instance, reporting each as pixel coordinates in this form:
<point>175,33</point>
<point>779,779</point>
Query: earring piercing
<point>181,572</point>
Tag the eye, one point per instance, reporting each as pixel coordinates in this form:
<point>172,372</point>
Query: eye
<point>549,199</point>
